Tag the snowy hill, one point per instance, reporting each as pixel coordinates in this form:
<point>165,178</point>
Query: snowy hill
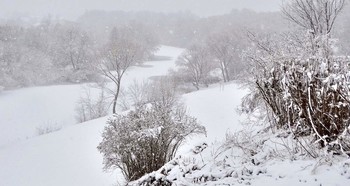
<point>66,157</point>
<point>69,156</point>
<point>23,111</point>
<point>233,154</point>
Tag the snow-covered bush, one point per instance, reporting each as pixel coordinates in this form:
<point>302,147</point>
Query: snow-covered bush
<point>305,91</point>
<point>304,86</point>
<point>143,140</point>
<point>47,128</point>
<point>248,157</point>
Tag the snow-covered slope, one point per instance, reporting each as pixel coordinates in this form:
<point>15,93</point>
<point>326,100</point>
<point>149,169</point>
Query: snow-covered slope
<point>246,158</point>
<point>220,164</point>
<point>254,159</point>
<point>69,157</point>
<point>23,111</point>
<point>216,108</point>
<point>66,157</point>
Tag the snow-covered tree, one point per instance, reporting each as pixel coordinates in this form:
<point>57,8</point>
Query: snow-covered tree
<point>22,62</point>
<point>44,53</point>
<point>74,47</point>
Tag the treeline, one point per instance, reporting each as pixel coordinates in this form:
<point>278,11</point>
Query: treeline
<point>57,51</point>
<point>52,51</point>
<point>221,49</point>
<point>182,28</point>
<point>215,45</point>
<point>43,54</point>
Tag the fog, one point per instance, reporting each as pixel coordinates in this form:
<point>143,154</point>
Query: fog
<point>174,92</point>
<point>71,9</point>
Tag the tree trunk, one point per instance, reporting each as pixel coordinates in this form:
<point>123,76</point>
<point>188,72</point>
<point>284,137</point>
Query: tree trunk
<point>227,74</point>
<point>195,84</point>
<point>116,99</point>
<point>223,73</point>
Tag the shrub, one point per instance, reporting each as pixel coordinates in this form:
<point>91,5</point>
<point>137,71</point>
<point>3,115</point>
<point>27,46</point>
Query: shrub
<point>315,99</point>
<point>306,89</point>
<point>143,140</point>
<point>47,128</point>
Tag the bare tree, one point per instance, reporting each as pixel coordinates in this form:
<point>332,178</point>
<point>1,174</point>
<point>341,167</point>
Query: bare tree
<point>138,92</point>
<point>77,44</point>
<point>226,48</point>
<point>91,107</point>
<point>118,55</point>
<point>198,63</point>
<point>317,15</point>
<point>71,47</point>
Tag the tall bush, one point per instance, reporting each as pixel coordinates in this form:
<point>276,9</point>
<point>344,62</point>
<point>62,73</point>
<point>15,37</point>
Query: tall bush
<point>143,140</point>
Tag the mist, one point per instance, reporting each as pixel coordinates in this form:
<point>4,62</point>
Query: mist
<point>174,92</point>
<point>72,9</point>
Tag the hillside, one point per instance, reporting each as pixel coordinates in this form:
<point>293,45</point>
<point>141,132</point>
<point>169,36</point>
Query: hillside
<point>69,156</point>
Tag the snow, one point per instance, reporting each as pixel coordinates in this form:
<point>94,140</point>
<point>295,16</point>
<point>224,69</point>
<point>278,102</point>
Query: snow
<point>216,109</point>
<point>23,111</point>
<point>65,157</point>
<point>69,156</point>
<point>220,164</point>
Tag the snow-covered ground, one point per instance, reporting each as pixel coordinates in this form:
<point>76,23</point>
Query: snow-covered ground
<point>260,159</point>
<point>65,157</point>
<point>223,165</point>
<point>69,156</point>
<point>216,109</point>
<point>23,111</point>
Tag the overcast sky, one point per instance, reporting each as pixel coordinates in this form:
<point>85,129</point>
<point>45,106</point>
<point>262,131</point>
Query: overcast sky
<point>71,9</point>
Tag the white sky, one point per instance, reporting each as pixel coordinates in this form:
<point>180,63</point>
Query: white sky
<point>71,9</point>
